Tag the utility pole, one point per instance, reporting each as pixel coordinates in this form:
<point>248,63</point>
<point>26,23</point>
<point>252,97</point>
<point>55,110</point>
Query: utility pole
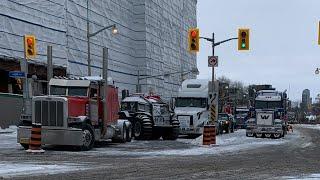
<point>105,60</point>
<point>212,81</point>
<point>88,40</point>
<point>49,67</point>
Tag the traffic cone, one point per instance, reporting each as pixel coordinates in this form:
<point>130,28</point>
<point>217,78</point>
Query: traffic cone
<point>35,140</point>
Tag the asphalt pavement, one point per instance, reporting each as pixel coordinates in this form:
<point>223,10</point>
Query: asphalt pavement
<point>295,157</point>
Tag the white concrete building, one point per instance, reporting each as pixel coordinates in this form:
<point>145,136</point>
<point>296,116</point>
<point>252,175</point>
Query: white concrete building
<point>152,39</point>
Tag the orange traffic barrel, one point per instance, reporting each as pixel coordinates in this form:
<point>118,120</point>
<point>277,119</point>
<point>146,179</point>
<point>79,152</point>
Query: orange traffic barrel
<point>206,135</point>
<point>35,140</point>
<point>213,134</point>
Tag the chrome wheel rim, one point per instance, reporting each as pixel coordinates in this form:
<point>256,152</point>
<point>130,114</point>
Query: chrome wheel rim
<point>86,138</point>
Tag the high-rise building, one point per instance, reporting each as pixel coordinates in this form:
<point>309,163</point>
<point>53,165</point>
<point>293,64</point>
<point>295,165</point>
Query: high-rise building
<point>306,100</point>
<point>151,39</point>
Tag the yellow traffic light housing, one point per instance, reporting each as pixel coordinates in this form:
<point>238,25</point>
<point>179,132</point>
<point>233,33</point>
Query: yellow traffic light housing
<point>243,39</point>
<point>30,45</point>
<point>193,40</point>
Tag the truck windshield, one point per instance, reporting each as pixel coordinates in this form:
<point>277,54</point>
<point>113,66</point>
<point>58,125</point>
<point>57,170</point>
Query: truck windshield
<point>191,102</point>
<point>58,90</point>
<point>223,117</point>
<point>268,104</point>
<point>78,91</point>
<point>72,91</point>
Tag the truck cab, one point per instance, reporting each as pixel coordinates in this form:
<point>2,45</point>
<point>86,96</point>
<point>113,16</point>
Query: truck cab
<point>269,114</point>
<point>75,113</point>
<point>191,106</point>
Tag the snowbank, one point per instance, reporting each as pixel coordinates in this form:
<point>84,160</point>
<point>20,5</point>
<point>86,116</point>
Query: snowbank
<point>8,138</point>
<point>11,129</point>
<point>310,126</point>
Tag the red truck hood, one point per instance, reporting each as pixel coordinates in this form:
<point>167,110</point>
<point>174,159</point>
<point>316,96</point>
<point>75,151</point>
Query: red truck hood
<point>77,106</point>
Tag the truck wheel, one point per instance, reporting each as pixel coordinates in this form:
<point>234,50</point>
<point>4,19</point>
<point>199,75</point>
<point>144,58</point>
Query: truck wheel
<point>268,135</point>
<point>142,128</point>
<point>276,135</point>
<point>87,137</point>
<point>249,134</point>
<point>259,135</point>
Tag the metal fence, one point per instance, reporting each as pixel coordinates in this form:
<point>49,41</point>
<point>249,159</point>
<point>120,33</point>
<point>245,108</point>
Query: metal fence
<point>10,109</point>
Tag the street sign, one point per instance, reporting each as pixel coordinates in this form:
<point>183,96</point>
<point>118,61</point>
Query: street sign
<point>17,74</point>
<point>212,61</point>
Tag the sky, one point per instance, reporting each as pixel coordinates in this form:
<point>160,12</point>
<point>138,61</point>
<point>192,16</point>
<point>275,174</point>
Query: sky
<point>284,48</point>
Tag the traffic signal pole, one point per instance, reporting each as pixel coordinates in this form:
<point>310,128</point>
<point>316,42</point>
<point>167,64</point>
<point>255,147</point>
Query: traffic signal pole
<point>215,99</point>
<point>26,110</point>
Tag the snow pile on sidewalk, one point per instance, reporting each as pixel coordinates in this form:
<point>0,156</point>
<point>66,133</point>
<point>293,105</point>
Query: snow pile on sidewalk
<point>310,126</point>
<point>8,138</point>
<point>11,129</point>
<point>9,169</point>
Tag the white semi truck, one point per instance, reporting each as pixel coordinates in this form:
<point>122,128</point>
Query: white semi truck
<point>191,106</point>
<point>269,112</point>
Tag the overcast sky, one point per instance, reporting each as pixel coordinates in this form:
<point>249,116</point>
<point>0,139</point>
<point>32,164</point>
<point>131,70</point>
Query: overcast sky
<point>283,52</point>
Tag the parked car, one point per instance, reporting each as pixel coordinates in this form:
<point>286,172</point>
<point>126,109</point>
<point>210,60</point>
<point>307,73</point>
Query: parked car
<point>226,122</point>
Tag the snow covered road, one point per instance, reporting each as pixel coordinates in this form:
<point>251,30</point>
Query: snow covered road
<point>234,153</point>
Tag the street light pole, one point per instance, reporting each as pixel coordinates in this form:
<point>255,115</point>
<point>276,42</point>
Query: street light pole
<point>89,35</point>
<point>212,81</point>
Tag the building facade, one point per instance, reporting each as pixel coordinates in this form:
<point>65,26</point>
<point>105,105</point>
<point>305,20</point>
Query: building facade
<point>151,40</point>
<point>306,100</point>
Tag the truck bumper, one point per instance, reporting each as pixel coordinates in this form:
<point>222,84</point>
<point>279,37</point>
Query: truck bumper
<point>50,136</point>
<point>191,131</point>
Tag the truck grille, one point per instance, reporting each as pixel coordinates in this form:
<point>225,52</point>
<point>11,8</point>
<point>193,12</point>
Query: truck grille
<point>49,113</point>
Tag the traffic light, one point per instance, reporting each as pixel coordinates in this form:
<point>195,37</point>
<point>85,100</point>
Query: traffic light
<point>193,37</point>
<point>243,39</point>
<point>30,45</point>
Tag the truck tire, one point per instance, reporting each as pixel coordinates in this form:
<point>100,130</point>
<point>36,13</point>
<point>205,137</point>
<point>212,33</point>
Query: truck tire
<point>268,135</point>
<point>142,128</point>
<point>87,137</point>
<point>277,135</point>
<point>259,135</point>
<point>249,134</point>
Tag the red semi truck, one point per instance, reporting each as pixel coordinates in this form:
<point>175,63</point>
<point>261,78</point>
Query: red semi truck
<point>75,113</point>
